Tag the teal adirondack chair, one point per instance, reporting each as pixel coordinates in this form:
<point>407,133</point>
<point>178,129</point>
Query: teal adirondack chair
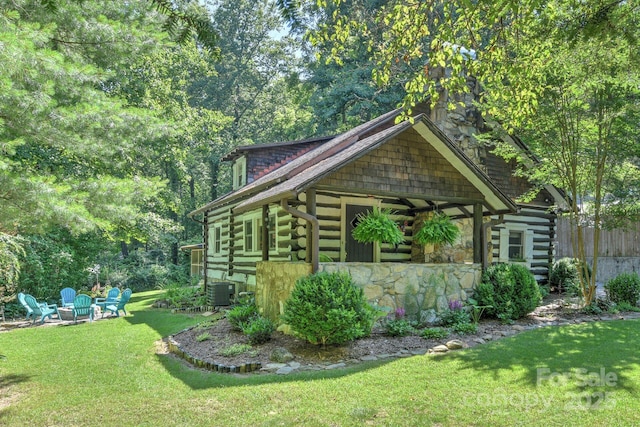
<point>113,297</point>
<point>66,297</point>
<point>124,299</point>
<point>82,307</point>
<point>26,307</point>
<point>43,311</point>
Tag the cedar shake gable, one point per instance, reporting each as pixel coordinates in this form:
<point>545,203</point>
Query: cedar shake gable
<point>474,185</point>
<point>300,163</point>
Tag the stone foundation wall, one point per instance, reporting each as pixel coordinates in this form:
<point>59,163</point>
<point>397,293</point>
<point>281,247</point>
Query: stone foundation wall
<point>274,283</point>
<point>423,290</point>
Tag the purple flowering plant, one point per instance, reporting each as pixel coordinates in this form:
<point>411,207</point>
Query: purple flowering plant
<point>455,305</point>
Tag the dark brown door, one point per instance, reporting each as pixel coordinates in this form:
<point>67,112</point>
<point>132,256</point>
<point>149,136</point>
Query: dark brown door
<point>356,252</point>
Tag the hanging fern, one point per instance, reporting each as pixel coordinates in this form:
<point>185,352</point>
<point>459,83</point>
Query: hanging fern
<point>377,226</point>
<point>437,230</point>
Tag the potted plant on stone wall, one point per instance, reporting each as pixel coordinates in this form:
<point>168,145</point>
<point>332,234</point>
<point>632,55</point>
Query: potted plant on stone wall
<point>377,226</point>
<point>439,230</point>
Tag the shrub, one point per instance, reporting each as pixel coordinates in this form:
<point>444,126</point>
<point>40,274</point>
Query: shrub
<point>258,329</point>
<point>564,274</point>
<point>625,306</point>
<point>510,290</point>
<point>434,333</point>
<point>465,328</point>
<point>396,325</point>
<point>624,288</point>
<point>327,308</point>
<point>183,296</point>
<point>593,308</point>
<point>241,314</point>
<point>455,314</point>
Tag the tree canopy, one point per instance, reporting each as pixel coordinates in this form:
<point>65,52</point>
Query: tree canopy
<point>562,75</point>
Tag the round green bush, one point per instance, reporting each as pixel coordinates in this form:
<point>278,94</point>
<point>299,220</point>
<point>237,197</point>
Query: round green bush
<point>510,290</point>
<point>327,308</point>
<point>564,274</point>
<point>624,288</point>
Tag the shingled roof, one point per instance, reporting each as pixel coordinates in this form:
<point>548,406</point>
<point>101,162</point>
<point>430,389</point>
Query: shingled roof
<point>301,163</point>
<point>303,172</point>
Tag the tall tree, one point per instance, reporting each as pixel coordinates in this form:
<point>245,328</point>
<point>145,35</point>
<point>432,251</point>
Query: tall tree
<point>343,93</point>
<point>162,81</point>
<point>67,147</point>
<point>530,57</point>
<point>73,153</point>
<point>257,81</point>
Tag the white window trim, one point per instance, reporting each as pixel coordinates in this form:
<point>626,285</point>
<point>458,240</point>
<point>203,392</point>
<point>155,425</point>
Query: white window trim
<point>273,216</point>
<point>255,218</point>
<point>527,244</point>
<point>217,241</point>
<point>239,172</point>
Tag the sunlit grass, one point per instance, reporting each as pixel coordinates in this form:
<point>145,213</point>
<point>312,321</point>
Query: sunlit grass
<point>108,373</point>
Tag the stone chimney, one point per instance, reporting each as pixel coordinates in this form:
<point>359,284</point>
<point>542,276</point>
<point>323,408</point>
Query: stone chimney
<point>462,123</point>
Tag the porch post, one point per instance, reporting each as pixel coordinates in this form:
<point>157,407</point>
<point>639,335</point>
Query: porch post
<point>315,230</point>
<point>265,232</point>
<point>311,210</point>
<point>477,233</point>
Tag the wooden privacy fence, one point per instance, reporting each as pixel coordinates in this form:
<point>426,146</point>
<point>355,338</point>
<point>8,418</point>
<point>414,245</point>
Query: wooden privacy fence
<point>619,250</point>
<point>613,243</point>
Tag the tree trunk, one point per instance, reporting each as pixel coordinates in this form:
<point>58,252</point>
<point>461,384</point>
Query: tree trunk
<point>124,249</point>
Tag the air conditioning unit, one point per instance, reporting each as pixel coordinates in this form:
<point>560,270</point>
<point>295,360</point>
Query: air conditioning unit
<point>219,293</point>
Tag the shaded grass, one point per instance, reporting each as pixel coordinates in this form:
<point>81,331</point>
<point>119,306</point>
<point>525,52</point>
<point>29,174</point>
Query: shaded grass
<point>108,372</point>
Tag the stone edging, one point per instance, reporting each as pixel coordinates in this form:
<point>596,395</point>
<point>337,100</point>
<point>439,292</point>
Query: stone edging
<point>454,344</point>
<point>174,348</point>
<point>203,308</point>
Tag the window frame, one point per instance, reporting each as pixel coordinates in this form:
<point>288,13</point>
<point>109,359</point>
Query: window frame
<point>239,172</point>
<point>520,246</point>
<point>197,265</point>
<point>217,239</point>
<point>255,219</point>
<point>527,243</point>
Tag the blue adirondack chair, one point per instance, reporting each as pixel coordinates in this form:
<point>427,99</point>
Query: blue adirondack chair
<point>26,307</point>
<point>113,297</point>
<point>43,311</point>
<point>24,304</point>
<point>82,307</point>
<point>124,299</point>
<point>66,297</point>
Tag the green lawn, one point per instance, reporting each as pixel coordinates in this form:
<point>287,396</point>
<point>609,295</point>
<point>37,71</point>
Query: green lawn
<point>108,373</point>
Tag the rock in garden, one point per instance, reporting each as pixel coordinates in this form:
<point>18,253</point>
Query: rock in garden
<point>284,370</point>
<point>281,355</point>
<point>440,349</point>
<point>456,344</point>
<point>273,366</point>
